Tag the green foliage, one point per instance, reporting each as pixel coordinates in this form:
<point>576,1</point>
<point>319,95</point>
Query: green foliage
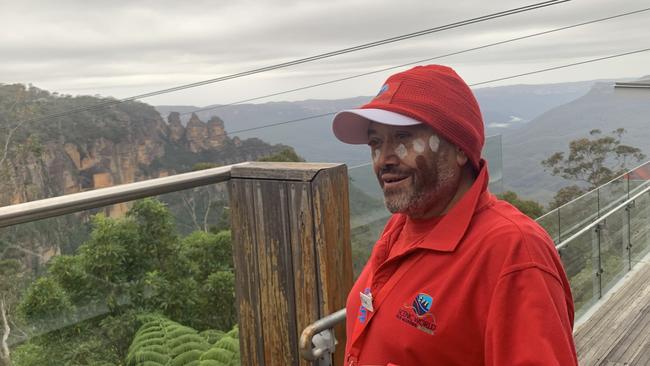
<point>12,276</point>
<point>217,308</point>
<point>45,301</point>
<point>286,155</point>
<point>83,343</point>
<point>161,342</point>
<point>225,352</point>
<point>94,300</point>
<point>203,166</point>
<point>207,250</point>
<point>212,335</point>
<point>31,354</point>
<point>593,160</point>
<point>10,270</point>
<point>565,195</point>
<point>529,208</point>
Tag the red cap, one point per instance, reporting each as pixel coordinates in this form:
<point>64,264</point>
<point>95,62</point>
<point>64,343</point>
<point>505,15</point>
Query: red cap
<point>434,95</point>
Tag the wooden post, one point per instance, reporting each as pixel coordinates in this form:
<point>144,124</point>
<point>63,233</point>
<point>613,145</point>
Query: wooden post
<point>293,262</point>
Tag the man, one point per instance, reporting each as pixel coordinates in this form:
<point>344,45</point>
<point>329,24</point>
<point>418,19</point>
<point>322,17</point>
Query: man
<point>457,277</point>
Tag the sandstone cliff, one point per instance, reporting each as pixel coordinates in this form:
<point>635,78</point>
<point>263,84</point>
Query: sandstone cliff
<point>94,149</point>
<point>125,143</point>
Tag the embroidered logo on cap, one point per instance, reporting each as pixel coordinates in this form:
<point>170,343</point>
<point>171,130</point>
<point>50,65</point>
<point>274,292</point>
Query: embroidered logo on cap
<point>418,314</point>
<point>386,92</point>
<point>383,89</point>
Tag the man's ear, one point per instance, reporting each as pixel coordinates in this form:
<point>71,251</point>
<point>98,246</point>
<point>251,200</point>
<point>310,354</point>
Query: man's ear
<point>461,157</point>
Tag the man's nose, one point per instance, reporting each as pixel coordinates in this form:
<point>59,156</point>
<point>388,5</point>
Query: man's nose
<point>386,155</point>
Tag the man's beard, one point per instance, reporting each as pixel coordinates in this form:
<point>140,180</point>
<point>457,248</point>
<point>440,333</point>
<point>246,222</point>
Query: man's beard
<point>408,199</point>
<point>421,194</point>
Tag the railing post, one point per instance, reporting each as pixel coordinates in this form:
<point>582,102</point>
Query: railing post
<point>627,234</point>
<point>598,202</point>
<point>599,265</point>
<point>291,245</point>
<point>559,227</point>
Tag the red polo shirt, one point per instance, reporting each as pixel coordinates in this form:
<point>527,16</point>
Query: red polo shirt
<point>483,286</point>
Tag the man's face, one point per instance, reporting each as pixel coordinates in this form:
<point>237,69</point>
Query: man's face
<point>416,169</point>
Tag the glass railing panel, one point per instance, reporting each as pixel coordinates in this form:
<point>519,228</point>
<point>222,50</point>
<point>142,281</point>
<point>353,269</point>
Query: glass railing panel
<point>639,178</point>
<point>640,228</point>
<point>368,215</point>
<point>577,214</point>
<point>580,258</point>
<point>550,222</point>
<point>493,153</point>
<point>81,285</point>
<point>613,248</point>
<point>612,194</point>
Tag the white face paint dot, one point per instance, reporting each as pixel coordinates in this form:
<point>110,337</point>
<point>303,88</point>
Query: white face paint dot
<point>418,146</point>
<point>434,143</point>
<point>375,155</point>
<point>401,151</point>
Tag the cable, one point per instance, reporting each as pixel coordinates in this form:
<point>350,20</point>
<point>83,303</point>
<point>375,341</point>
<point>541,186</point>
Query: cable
<point>474,84</point>
<point>417,62</point>
<point>305,60</point>
<point>562,67</point>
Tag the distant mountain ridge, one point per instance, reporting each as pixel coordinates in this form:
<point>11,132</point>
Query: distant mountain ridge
<point>603,107</point>
<point>535,121</point>
<point>503,107</point>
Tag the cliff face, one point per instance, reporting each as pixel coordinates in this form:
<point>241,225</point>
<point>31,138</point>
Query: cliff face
<point>126,143</point>
<point>56,169</point>
<point>94,149</point>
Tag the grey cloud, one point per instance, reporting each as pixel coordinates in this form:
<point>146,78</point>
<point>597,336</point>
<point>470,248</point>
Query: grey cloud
<point>73,44</point>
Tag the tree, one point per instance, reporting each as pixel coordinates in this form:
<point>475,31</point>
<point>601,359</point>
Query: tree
<point>565,195</point>
<point>592,161</point>
<point>529,208</point>
<point>13,278</point>
<point>9,271</point>
<point>286,155</point>
<point>90,303</point>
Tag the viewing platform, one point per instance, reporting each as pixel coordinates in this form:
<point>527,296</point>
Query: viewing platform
<point>617,331</point>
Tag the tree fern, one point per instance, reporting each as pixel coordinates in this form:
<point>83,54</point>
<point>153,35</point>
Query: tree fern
<point>162,342</point>
<point>225,352</point>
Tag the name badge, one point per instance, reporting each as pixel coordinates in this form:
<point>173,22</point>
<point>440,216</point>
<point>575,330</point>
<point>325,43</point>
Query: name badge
<point>366,301</point>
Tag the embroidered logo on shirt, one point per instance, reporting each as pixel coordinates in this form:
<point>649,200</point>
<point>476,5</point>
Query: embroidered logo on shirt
<point>422,304</point>
<point>418,314</point>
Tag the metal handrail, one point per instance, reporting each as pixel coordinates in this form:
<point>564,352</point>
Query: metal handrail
<point>306,348</point>
<point>595,215</point>
<point>602,218</point>
<point>57,206</point>
<point>593,190</point>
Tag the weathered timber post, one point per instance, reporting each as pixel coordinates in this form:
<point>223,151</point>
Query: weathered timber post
<point>293,263</point>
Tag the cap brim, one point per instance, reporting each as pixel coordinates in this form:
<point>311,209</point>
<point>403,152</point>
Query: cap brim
<point>351,126</point>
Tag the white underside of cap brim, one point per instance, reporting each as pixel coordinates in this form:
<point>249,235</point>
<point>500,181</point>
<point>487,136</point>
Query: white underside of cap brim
<point>351,126</point>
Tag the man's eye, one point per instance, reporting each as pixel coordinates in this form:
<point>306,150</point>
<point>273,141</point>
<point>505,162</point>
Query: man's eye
<point>403,135</point>
<point>373,142</point>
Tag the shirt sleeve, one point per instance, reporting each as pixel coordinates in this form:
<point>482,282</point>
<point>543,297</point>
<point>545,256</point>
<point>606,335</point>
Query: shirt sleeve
<point>529,322</point>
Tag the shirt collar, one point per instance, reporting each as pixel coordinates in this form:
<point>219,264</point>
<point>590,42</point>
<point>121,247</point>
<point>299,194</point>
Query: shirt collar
<point>449,231</point>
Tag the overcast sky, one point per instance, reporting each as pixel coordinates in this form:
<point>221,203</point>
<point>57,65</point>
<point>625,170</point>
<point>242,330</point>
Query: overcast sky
<point>122,48</point>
